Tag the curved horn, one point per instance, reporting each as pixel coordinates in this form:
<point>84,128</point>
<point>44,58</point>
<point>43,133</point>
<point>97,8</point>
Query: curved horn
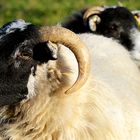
<point>73,42</point>
<point>92,11</point>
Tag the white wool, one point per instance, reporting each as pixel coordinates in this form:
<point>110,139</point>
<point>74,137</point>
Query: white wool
<point>110,58</point>
<point>113,67</point>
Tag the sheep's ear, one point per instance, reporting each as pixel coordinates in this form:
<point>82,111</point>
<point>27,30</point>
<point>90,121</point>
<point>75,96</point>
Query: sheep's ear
<point>43,52</point>
<point>93,21</point>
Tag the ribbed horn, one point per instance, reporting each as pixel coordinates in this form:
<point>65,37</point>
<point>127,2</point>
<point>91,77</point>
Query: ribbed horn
<point>92,11</point>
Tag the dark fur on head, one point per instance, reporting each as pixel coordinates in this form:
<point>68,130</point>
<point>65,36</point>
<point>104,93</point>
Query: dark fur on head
<point>20,51</point>
<point>116,22</point>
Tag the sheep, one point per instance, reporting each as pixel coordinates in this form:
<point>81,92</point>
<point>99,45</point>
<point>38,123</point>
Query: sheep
<point>72,93</point>
<point>115,22</point>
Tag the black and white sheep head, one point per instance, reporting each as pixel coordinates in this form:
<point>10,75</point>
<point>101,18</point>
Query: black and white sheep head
<point>116,22</point>
<point>27,62</point>
<point>20,53</point>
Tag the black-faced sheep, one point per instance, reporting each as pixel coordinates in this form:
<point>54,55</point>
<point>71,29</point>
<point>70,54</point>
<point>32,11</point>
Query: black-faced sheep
<point>71,93</point>
<point>115,22</point>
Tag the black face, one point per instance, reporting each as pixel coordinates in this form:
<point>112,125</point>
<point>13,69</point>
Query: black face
<point>117,23</point>
<point>20,51</point>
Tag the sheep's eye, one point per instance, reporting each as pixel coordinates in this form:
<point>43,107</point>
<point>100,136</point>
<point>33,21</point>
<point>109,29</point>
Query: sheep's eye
<point>26,54</point>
